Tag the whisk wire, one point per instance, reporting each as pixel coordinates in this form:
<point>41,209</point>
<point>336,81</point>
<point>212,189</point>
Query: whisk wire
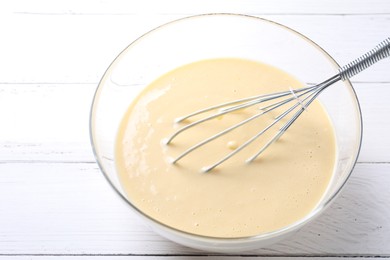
<point>252,139</point>
<point>265,110</point>
<point>308,95</point>
<point>283,129</point>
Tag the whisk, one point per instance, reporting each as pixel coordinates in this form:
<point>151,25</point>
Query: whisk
<point>301,99</point>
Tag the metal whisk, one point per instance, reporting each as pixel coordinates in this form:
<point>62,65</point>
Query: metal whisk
<point>303,97</point>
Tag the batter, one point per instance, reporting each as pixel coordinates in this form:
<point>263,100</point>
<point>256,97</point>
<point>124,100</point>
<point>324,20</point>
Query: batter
<point>235,199</point>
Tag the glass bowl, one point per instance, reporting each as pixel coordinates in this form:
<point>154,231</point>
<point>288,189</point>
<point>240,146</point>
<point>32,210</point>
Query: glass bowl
<point>214,36</point>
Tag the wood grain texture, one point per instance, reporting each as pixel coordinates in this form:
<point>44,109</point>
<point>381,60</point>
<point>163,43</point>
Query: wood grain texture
<point>137,257</point>
<point>118,7</point>
<point>68,208</point>
<point>57,119</point>
<point>79,48</point>
<point>55,203</point>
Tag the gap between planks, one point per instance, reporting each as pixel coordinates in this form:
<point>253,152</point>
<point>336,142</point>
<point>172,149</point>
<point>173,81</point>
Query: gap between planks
<point>191,256</point>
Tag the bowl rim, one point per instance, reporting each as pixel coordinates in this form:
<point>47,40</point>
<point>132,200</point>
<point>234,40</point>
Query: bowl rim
<point>210,239</point>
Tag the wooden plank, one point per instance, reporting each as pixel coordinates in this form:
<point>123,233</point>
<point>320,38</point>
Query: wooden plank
<point>31,152</point>
<point>376,124</point>
<point>54,202</point>
<point>54,113</point>
<point>68,208</point>
<point>212,257</point>
<point>57,119</point>
<point>300,7</point>
<point>79,48</point>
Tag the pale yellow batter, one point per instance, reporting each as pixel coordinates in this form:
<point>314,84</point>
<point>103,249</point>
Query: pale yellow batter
<point>236,199</point>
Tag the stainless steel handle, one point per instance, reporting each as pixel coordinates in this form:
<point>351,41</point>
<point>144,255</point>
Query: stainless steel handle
<point>381,51</point>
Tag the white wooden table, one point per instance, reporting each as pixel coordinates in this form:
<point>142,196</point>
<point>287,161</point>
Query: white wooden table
<point>55,203</point>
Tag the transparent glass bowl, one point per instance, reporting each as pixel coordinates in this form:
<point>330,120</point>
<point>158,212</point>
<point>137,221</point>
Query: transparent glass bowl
<point>214,36</point>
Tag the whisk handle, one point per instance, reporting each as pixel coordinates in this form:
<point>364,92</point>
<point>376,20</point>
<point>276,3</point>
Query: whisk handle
<point>381,51</point>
